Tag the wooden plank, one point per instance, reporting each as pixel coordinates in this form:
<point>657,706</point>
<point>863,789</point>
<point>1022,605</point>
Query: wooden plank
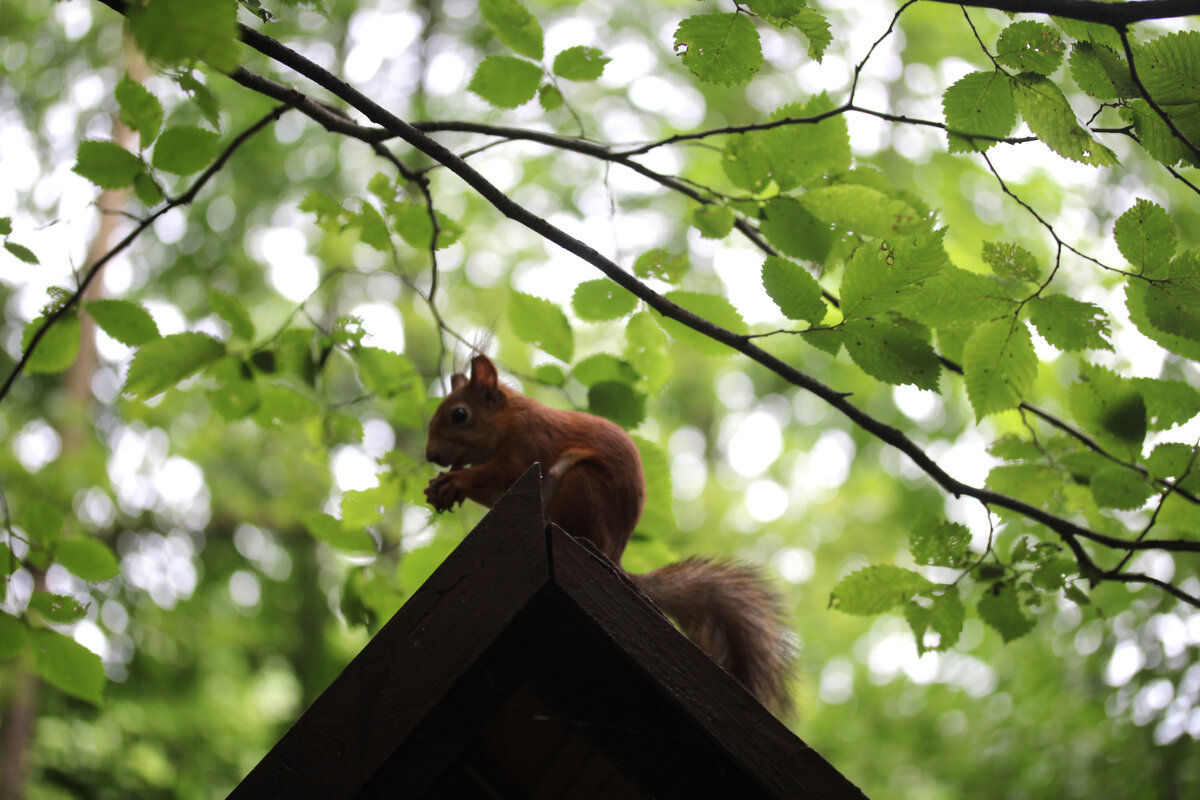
<point>414,660</point>
<point>760,744</point>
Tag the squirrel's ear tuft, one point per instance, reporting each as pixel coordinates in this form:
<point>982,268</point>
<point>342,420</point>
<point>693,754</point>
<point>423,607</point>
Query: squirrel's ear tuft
<point>457,381</point>
<point>483,374</point>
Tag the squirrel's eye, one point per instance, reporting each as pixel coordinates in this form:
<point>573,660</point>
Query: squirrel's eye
<point>458,415</point>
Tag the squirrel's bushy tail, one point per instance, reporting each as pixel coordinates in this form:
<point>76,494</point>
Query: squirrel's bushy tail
<point>731,613</point>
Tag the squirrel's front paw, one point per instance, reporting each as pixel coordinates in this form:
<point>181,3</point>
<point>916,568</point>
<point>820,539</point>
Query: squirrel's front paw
<point>446,490</point>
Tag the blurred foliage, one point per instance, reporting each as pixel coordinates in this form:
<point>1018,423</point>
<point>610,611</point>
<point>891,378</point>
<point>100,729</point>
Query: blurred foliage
<point>245,438</point>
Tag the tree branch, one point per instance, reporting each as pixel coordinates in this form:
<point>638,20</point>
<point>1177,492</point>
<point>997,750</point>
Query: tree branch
<point>1115,14</point>
<point>1069,531</point>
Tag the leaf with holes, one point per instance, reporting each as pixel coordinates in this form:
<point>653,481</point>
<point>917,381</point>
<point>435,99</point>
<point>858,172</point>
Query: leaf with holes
<point>719,48</point>
<point>580,63</point>
<point>1001,609</point>
<point>1030,46</point>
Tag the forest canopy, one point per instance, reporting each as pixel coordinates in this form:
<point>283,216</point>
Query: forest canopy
<point>899,301</point>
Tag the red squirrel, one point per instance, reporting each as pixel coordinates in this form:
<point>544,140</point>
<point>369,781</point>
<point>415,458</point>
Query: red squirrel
<point>489,434</point>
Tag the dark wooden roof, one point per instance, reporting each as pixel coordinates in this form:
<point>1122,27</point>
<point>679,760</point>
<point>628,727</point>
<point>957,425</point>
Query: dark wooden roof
<point>528,666</point>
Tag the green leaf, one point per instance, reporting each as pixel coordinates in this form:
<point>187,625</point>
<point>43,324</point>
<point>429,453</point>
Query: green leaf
<point>185,149</point>
<point>1169,67</point>
<point>280,405</point>
<point>1146,236</point>
<point>87,558</point>
<point>1000,608</point>
<point>373,230</point>
<point>1010,260</point>
<point>550,374</point>
<point>791,154</point>
<point>1070,324</point>
<point>714,308</point>
<point>935,543</point>
<point>57,608</point>
<point>1158,139</point>
<point>580,63</point>
<point>1030,46</point>
<point>140,109</point>
<point>202,96</point>
<point>68,666</point>
<point>1089,72</point>
<point>229,308</point>
<point>1121,488</point>
<point>604,367</point>
<point>1172,460</point>
<point>57,348</point>
<point>105,164</point>
<point>719,48</point>
<point>13,636</point>
<point>713,222</point>
<point>1135,303</point>
<point>658,519</point>
<point>1051,119</point>
<point>862,209</point>
<point>815,27</point>
<point>1110,408</point>
<point>235,399</point>
<point>514,26</point>
<point>978,104</point>
<point>364,507</point>
<point>873,590</point>
<point>794,290</point>
<point>5,226</point>
<point>957,298</point>
<point>506,81</point>
<point>617,401</point>
<point>944,616</point>
<point>999,364</point>
<point>549,97</point>
<point>184,31</point>
<point>893,350</point>
<point>602,299</point>
<point>660,264</point>
<point>160,364</point>
<point>542,323</point>
<point>1173,306</point>
<point>412,222</point>
<point>646,349</point>
<point>885,277</point>
<point>147,189</point>
<point>127,322</point>
<point>387,374</point>
<point>1168,403</point>
<point>330,531</point>
<point>21,252</point>
<point>791,227</point>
